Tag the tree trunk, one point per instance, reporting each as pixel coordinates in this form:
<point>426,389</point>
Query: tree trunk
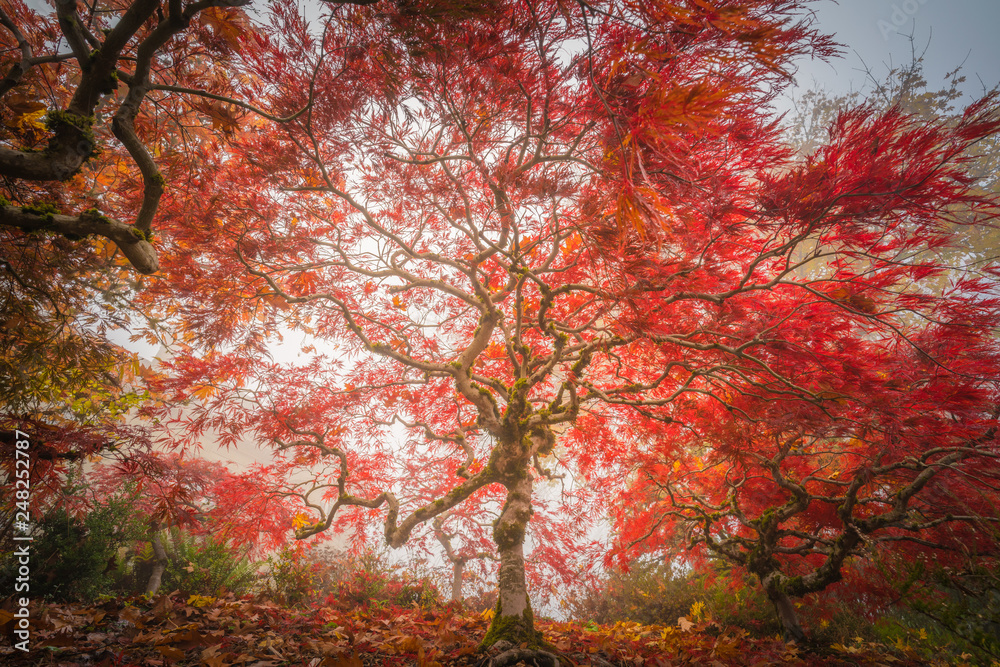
<point>159,561</point>
<point>458,572</point>
<point>513,621</point>
<point>786,613</point>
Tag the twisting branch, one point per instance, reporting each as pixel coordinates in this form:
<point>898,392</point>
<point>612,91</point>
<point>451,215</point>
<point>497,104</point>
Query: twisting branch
<point>73,141</point>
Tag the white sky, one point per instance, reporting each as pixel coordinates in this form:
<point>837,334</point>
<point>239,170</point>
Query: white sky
<point>876,35</point>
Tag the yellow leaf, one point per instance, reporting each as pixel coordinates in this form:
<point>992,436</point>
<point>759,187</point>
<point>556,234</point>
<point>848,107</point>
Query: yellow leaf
<point>200,601</point>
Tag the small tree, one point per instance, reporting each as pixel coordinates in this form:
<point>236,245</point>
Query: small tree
<point>217,509</point>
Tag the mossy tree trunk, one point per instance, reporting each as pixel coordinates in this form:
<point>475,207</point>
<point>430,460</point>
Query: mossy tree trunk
<point>159,560</point>
<point>458,573</point>
<point>785,609</point>
<point>513,621</point>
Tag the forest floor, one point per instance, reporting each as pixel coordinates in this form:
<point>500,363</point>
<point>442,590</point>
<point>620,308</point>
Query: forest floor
<point>209,632</point>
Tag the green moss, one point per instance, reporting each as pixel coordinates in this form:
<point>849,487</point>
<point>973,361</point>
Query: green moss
<point>46,211</point>
<point>141,235</point>
<point>792,586</point>
<point>518,630</point>
<point>41,209</point>
<point>57,118</point>
<point>4,201</point>
<point>766,520</point>
<point>581,364</point>
<point>510,533</point>
<point>70,128</point>
<point>159,179</point>
<point>92,214</point>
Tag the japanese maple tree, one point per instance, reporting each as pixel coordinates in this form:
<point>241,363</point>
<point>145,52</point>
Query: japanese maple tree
<point>542,251</point>
<point>102,105</point>
<point>852,407</point>
<point>451,214</point>
<point>86,105</point>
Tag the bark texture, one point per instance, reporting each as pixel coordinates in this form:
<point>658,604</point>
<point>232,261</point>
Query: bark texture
<point>514,621</point>
<point>159,561</point>
<point>786,612</point>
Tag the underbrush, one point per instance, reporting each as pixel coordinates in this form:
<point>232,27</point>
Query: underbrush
<point>946,617</point>
<point>296,576</point>
<point>76,557</point>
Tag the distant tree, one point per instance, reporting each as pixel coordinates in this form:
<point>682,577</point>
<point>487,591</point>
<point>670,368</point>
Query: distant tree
<point>202,497</point>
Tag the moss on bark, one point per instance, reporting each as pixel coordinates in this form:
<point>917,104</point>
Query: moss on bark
<point>517,630</point>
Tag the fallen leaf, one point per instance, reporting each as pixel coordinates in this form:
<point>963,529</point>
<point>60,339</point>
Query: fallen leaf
<point>350,661</point>
<point>171,653</point>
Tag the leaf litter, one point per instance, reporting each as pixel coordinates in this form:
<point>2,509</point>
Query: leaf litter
<point>230,632</point>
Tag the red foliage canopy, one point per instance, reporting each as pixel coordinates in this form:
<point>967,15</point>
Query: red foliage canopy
<point>539,243</point>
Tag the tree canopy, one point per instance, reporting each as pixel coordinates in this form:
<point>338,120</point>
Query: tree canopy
<point>546,257</point>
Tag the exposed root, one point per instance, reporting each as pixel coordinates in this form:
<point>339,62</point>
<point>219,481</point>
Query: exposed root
<point>531,657</point>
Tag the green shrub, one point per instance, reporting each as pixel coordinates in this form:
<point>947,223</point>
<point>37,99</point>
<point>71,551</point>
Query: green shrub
<point>76,558</point>
<point>294,576</point>
<point>947,612</point>
<point>205,566</point>
<point>649,592</point>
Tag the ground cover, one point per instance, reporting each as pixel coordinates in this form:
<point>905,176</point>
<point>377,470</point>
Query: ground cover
<point>227,631</point>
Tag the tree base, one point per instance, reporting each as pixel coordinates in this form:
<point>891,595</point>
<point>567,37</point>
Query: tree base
<point>509,655</point>
<point>517,630</point>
